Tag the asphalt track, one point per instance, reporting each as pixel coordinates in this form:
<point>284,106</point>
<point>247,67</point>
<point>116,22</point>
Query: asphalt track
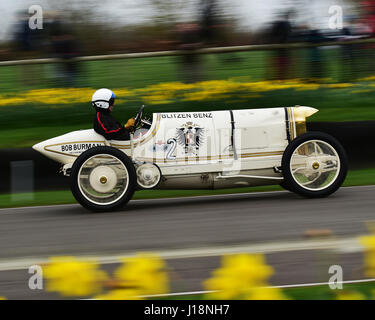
<point>185,223</point>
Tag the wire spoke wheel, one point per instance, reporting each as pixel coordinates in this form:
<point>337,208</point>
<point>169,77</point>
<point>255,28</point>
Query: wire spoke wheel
<point>103,179</point>
<point>314,165</point>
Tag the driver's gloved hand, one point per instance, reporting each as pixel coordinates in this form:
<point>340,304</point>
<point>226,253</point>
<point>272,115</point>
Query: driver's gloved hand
<point>130,124</point>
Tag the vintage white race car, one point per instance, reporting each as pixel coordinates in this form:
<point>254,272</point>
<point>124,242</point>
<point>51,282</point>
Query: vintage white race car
<point>201,150</point>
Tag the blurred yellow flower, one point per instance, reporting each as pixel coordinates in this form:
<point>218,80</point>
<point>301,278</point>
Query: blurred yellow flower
<point>120,294</point>
<point>266,293</point>
<point>362,91</point>
<point>369,244</point>
<point>123,92</point>
<point>168,92</point>
<point>71,277</point>
<point>170,87</point>
<point>307,86</point>
<point>350,295</point>
<point>144,273</point>
<point>371,78</point>
<point>339,85</point>
<point>157,99</point>
<point>3,298</point>
<point>242,276</point>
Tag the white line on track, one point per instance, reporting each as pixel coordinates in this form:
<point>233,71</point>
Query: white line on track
<point>337,245</point>
<point>193,293</point>
<point>190,293</point>
<point>177,198</point>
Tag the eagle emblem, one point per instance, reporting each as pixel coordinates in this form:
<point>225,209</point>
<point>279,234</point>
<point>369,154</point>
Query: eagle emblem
<point>190,136</point>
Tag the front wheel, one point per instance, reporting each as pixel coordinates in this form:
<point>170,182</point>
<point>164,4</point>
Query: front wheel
<point>103,179</point>
<point>314,165</point>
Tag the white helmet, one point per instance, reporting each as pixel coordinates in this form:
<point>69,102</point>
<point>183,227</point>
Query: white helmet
<point>103,98</point>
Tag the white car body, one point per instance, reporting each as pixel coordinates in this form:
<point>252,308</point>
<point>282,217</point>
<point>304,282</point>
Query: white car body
<point>214,149</point>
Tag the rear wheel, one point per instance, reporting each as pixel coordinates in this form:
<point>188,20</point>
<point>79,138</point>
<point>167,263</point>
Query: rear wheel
<point>314,165</point>
<point>103,179</point>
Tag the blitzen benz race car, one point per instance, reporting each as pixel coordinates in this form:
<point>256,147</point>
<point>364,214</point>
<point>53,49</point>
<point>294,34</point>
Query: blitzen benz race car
<point>201,150</point>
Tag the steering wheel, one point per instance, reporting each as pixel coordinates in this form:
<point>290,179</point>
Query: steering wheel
<point>138,117</point>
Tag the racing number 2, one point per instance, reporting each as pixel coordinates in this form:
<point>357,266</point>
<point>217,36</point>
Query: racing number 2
<point>173,144</point>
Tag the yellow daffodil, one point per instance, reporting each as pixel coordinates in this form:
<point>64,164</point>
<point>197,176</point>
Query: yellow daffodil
<point>362,91</point>
<point>369,244</point>
<point>169,92</point>
<point>266,293</point>
<point>339,85</point>
<point>71,277</point>
<point>350,295</point>
<point>144,273</point>
<point>242,276</point>
<point>371,78</point>
<point>120,294</point>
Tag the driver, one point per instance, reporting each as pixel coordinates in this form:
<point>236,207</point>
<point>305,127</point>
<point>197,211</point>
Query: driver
<point>103,101</point>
